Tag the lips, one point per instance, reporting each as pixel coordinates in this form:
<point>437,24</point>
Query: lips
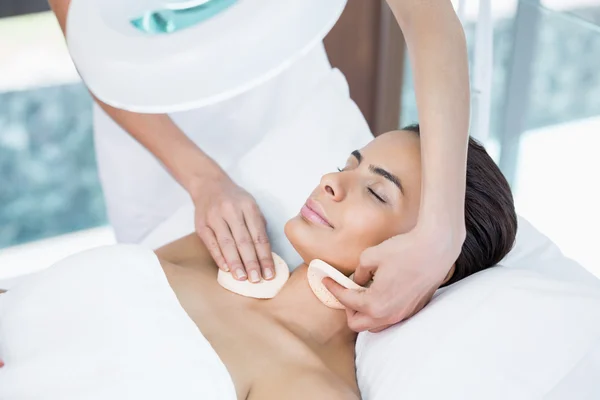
<point>313,212</point>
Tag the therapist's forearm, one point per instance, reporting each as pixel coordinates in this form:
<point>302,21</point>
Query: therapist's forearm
<point>163,138</point>
<point>438,53</point>
<point>60,9</point>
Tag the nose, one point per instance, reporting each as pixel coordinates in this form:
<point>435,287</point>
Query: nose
<point>332,185</point>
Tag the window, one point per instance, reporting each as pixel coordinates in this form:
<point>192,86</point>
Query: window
<point>48,180</point>
<point>545,121</point>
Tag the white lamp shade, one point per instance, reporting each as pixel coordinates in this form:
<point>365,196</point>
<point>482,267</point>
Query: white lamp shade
<point>234,51</point>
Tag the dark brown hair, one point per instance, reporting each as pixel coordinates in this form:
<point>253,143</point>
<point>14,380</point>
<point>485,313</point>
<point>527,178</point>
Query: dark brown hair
<point>490,216</point>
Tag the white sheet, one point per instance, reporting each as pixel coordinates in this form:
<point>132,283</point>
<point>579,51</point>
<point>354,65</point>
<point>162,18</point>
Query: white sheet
<point>104,324</point>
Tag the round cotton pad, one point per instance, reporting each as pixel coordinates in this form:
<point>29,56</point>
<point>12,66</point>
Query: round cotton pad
<point>317,270</point>
<point>261,290</point>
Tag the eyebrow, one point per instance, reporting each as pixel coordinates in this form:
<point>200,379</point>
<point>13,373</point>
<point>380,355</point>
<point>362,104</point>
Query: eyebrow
<point>380,171</point>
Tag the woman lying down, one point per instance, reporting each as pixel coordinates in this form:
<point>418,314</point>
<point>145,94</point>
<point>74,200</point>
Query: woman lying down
<point>107,324</point>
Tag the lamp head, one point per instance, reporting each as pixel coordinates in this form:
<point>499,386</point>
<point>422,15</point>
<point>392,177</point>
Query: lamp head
<point>162,56</point>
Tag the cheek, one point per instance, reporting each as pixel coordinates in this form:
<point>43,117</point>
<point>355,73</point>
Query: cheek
<point>343,246</point>
<point>359,232</point>
<point>366,229</point>
<point>340,247</point>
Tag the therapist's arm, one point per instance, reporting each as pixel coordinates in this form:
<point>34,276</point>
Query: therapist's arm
<point>162,137</point>
<point>410,267</point>
<point>438,55</point>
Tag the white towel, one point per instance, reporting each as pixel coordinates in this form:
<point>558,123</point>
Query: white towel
<point>104,324</point>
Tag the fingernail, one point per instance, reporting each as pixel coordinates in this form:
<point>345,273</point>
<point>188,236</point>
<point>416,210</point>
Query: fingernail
<point>268,273</point>
<point>240,274</point>
<point>254,277</point>
<point>226,267</point>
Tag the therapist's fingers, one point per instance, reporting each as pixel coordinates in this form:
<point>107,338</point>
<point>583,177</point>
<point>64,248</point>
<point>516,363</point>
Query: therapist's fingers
<point>257,228</point>
<point>356,300</point>
<point>359,322</point>
<point>364,274</point>
<point>381,328</point>
<point>229,248</point>
<point>359,307</point>
<point>245,244</point>
<point>210,241</point>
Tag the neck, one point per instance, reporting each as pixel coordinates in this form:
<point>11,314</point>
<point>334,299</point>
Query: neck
<point>297,307</point>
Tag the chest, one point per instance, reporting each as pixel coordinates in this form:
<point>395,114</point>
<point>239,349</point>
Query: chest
<point>252,345</point>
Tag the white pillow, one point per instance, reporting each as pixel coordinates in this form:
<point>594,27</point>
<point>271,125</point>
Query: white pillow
<point>527,329</point>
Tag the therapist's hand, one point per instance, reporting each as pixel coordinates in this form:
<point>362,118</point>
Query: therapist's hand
<point>232,227</point>
<point>406,271</point>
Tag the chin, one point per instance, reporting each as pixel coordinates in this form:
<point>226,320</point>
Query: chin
<point>298,233</point>
<point>310,244</point>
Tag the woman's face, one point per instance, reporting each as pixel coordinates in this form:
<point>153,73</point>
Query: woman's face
<point>376,196</point>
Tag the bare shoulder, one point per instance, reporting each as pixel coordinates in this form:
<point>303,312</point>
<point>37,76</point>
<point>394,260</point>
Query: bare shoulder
<point>302,384</point>
<point>186,249</point>
<point>185,261</point>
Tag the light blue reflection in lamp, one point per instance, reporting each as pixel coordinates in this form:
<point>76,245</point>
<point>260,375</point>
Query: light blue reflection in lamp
<point>178,15</point>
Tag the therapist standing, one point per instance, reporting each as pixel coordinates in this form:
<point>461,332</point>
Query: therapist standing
<point>139,154</point>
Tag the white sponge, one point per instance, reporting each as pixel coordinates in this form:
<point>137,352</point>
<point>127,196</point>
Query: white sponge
<point>317,270</point>
<point>261,290</point>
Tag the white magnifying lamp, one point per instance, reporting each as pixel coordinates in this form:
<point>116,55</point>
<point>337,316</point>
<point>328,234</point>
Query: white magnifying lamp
<point>162,56</point>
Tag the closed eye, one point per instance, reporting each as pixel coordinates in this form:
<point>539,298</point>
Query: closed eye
<point>380,171</point>
<point>378,197</point>
<point>371,191</point>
